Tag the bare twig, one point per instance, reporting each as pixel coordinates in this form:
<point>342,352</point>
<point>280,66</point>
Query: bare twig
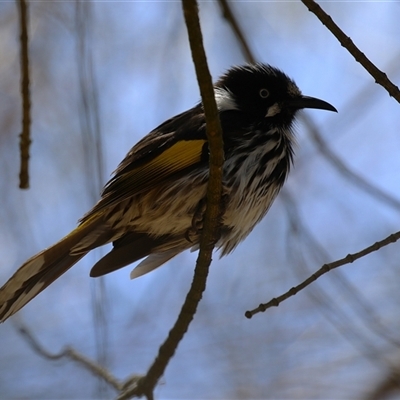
<point>72,354</point>
<point>232,21</point>
<point>336,313</point>
<point>88,110</point>
<point>379,76</point>
<point>145,385</point>
<point>25,139</point>
<point>350,258</point>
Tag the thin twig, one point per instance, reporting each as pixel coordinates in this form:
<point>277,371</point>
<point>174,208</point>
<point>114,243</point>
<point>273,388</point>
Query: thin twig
<point>232,21</point>
<point>25,136</point>
<point>336,314</point>
<point>145,386</point>
<point>350,258</point>
<point>379,76</point>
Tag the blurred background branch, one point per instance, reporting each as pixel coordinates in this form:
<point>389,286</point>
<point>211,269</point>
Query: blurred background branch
<point>345,171</point>
<point>90,125</point>
<point>71,354</point>
<point>25,136</point>
<point>230,17</point>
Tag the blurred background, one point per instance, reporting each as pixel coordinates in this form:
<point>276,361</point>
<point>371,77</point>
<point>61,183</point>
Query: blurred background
<point>103,74</point>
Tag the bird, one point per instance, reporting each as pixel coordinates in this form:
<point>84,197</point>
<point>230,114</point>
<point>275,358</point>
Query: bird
<point>152,207</point>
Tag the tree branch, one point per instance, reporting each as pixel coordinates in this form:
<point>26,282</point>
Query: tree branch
<point>379,76</point>
<point>350,258</point>
<point>145,385</point>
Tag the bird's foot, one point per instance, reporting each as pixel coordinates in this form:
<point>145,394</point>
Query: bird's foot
<point>193,233</point>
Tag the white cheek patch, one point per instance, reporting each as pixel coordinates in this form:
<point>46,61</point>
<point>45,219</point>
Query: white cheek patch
<point>273,110</point>
<point>224,99</point>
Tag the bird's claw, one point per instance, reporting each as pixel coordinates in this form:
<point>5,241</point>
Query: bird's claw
<point>198,219</point>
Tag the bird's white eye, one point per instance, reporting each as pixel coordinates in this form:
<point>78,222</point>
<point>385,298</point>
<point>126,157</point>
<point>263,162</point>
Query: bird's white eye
<point>264,93</point>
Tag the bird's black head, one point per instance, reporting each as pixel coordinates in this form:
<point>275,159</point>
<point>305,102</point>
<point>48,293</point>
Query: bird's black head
<point>263,94</point>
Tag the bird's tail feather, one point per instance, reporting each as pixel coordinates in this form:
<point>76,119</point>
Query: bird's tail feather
<point>45,267</point>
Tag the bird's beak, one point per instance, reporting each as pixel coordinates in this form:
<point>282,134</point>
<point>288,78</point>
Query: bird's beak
<point>310,102</point>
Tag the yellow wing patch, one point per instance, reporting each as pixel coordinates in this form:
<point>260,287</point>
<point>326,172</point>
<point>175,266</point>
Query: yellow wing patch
<point>179,156</point>
<point>176,158</point>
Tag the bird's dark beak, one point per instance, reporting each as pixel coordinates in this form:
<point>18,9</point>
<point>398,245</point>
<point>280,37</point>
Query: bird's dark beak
<point>310,102</point>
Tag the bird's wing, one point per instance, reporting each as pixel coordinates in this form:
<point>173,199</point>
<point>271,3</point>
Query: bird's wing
<point>172,149</point>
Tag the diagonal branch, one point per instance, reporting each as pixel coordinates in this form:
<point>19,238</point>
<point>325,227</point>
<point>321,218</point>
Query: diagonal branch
<point>379,76</point>
<point>350,258</point>
<point>337,315</point>
<point>145,385</point>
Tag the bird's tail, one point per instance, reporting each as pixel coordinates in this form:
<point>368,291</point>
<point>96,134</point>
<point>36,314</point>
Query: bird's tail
<point>45,267</point>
